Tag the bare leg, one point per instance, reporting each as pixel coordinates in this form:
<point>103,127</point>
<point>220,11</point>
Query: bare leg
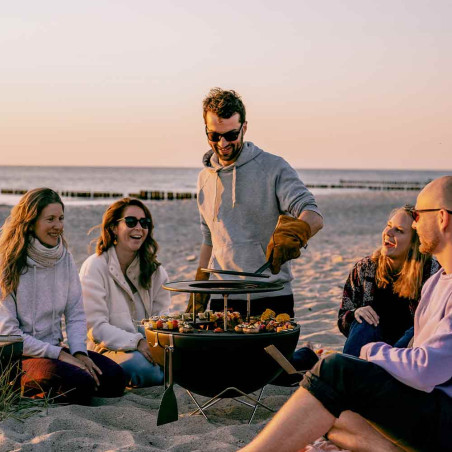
<point>299,422</point>
<point>353,432</point>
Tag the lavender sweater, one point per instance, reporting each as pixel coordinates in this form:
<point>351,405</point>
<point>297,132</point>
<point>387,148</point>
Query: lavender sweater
<point>428,364</point>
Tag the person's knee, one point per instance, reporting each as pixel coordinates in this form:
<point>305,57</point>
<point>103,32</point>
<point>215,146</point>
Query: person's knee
<point>113,380</point>
<point>141,373</point>
<point>365,329</point>
<point>335,368</point>
<point>361,334</point>
<point>304,358</point>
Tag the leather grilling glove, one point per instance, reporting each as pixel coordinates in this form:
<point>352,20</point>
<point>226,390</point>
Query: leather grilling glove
<point>200,299</point>
<point>288,237</point>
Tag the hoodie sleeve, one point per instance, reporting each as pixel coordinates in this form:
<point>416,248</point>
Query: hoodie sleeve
<point>9,325</point>
<point>93,277</point>
<point>161,298</point>
<point>205,231</point>
<point>74,313</point>
<point>292,193</point>
<point>422,367</point>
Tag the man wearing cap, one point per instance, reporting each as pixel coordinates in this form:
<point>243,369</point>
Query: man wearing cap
<point>253,207</point>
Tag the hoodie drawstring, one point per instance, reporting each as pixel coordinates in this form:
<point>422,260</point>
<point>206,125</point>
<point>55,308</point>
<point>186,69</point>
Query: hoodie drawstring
<point>217,201</point>
<point>234,177</point>
<point>233,191</point>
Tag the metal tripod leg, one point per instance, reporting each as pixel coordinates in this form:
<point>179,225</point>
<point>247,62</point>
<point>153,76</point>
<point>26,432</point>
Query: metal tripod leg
<point>212,401</point>
<point>255,407</point>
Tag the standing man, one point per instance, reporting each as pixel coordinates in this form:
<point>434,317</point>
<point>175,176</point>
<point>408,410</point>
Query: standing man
<point>253,207</point>
<point>405,394</point>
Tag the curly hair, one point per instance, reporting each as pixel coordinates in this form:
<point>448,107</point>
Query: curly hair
<point>408,281</point>
<point>224,104</point>
<point>148,250</point>
<point>15,234</point>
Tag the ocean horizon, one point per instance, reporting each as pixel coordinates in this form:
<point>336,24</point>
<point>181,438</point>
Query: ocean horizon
<point>126,180</point>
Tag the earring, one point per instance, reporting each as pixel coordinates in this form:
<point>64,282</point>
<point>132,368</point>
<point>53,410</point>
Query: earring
<point>115,241</point>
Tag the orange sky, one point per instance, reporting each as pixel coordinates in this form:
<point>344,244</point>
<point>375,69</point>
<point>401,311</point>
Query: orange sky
<point>336,84</point>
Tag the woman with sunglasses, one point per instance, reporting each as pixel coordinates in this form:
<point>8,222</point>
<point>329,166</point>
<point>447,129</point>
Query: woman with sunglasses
<point>122,284</point>
<point>39,286</point>
<point>382,290</point>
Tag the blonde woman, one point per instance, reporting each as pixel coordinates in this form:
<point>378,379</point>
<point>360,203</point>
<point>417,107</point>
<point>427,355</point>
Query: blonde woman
<point>382,290</point>
<point>39,286</point>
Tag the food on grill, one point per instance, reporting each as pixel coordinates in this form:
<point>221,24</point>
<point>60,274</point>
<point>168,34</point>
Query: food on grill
<point>253,328</point>
<point>282,318</point>
<point>268,314</point>
<point>267,323</point>
<point>186,328</point>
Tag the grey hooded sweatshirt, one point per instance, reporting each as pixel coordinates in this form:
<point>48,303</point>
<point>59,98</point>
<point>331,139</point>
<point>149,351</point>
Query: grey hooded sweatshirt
<point>44,295</point>
<point>239,205</point>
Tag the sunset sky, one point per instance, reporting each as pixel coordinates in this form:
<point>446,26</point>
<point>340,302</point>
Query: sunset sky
<point>334,84</point>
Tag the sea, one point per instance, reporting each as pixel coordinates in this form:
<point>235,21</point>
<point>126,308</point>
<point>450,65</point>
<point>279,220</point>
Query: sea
<point>128,180</point>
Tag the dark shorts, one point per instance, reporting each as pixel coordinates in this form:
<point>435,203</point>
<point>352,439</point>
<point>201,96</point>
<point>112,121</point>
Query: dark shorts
<point>281,305</point>
<point>410,417</point>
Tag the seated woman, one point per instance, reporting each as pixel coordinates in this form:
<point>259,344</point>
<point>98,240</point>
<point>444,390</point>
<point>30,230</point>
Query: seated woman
<point>122,284</point>
<point>380,295</point>
<point>382,290</point>
<point>39,285</point>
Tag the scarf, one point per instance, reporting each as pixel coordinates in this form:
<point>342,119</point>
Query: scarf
<point>46,257</point>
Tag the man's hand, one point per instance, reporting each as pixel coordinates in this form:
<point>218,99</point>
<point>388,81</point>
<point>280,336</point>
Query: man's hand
<point>288,237</point>
<point>200,299</point>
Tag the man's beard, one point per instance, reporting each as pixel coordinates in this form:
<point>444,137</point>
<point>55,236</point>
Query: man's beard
<point>235,152</point>
<point>428,246</point>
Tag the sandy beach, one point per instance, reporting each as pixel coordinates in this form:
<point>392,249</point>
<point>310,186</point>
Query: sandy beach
<point>353,223</point>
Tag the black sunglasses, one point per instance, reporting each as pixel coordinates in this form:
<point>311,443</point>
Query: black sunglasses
<point>415,212</point>
<point>131,222</point>
<point>232,135</point>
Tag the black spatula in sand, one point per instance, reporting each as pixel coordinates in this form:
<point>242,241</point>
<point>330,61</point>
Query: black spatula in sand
<point>168,411</point>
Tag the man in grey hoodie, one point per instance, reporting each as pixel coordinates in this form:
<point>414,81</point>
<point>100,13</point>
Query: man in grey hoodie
<point>253,207</point>
<point>404,393</point>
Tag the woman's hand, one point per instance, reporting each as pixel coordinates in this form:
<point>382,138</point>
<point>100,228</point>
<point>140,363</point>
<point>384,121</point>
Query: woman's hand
<point>143,348</point>
<point>368,314</point>
<point>90,367</point>
<point>83,362</point>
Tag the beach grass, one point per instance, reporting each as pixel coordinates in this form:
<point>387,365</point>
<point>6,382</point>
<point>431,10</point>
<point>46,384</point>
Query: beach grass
<point>12,403</point>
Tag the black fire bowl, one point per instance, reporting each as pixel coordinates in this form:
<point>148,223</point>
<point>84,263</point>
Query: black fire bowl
<point>206,363</point>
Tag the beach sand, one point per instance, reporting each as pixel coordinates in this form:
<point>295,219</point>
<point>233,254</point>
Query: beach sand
<point>353,224</point>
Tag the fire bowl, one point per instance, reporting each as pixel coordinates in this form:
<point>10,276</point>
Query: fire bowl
<point>206,363</point>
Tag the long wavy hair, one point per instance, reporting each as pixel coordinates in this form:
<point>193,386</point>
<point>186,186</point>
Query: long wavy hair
<point>408,281</point>
<point>148,250</point>
<point>15,234</point>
